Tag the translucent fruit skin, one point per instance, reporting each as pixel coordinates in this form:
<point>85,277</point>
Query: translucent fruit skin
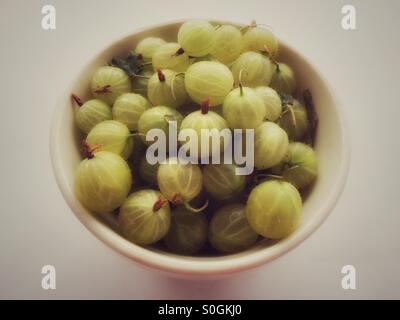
<point>188,231</point>
<point>244,110</point>
<point>179,182</point>
<point>196,37</point>
<point>257,69</point>
<point>148,46</point>
<point>295,131</point>
<point>91,113</point>
<point>272,102</point>
<point>198,121</point>
<point>283,80</point>
<point>171,92</point>
<point>221,181</point>
<point>274,209</point>
<point>139,84</point>
<point>260,39</point>
<point>103,182</point>
<point>208,80</point>
<point>138,220</point>
<point>228,44</point>
<point>147,171</point>
<point>230,231</point>
<point>157,117</point>
<point>270,145</point>
<point>117,80</point>
<point>111,136</point>
<point>301,166</point>
<point>165,58</point>
<point>128,108</point>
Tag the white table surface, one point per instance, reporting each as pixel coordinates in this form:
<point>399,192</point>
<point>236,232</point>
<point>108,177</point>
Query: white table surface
<point>38,228</point>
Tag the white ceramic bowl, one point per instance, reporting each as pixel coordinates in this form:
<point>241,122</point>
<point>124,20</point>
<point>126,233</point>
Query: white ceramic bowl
<point>331,146</point>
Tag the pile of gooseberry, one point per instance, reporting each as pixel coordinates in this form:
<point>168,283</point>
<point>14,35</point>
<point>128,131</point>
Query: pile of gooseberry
<point>214,77</point>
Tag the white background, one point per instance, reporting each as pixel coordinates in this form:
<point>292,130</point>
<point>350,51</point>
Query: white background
<point>38,228</point>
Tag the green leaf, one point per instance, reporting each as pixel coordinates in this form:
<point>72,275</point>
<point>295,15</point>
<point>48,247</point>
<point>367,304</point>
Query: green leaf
<point>131,64</point>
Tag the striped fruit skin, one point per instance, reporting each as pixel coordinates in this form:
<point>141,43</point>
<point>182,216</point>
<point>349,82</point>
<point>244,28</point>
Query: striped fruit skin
<point>147,171</point>
<point>157,118</point>
<point>128,108</point>
<point>165,58</point>
<point>188,231</point>
<point>283,80</point>
<point>179,182</point>
<point>138,220</point>
<point>208,80</point>
<point>301,166</point>
<point>102,183</point>
<point>243,109</point>
<point>196,37</point>
<point>295,131</point>
<point>198,121</point>
<point>221,181</point>
<point>111,136</point>
<point>260,39</point>
<point>139,84</point>
<point>117,80</point>
<point>228,44</point>
<point>148,46</point>
<point>171,92</point>
<point>253,68</point>
<point>272,102</point>
<point>229,229</point>
<point>270,145</point>
<point>274,209</point>
<point>91,113</point>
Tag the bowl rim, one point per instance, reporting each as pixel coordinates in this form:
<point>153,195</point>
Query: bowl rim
<point>195,266</point>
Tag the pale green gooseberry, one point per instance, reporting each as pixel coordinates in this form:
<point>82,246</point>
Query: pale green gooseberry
<point>229,230</point>
<point>102,181</point>
<point>128,108</point>
<point>252,69</point>
<point>272,102</point>
<point>113,136</point>
<point>222,182</point>
<point>196,37</point>
<point>167,88</point>
<point>274,209</point>
<point>188,231</point>
<point>145,217</point>
<point>108,83</point>
<point>270,145</point>
<point>300,167</point>
<point>243,108</point>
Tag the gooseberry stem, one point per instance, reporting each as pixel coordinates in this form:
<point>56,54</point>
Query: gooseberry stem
<point>179,52</point>
<point>290,108</point>
<point>140,76</point>
<point>104,89</point>
<point>90,151</point>
<point>169,117</point>
<point>161,201</point>
<point>241,89</point>
<point>160,75</point>
<point>240,81</point>
<point>133,134</point>
<point>205,106</point>
<point>195,210</point>
<point>76,99</point>
<point>267,175</point>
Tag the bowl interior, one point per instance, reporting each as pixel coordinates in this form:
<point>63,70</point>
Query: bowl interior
<point>331,149</point>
